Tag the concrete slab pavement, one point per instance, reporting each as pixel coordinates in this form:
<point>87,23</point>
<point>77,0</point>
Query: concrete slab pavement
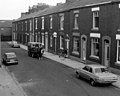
<point>8,86</point>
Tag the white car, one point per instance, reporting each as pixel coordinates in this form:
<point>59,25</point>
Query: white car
<point>10,58</point>
<point>15,44</point>
<point>96,74</point>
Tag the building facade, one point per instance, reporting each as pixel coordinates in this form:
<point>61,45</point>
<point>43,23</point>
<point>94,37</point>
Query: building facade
<point>88,29</point>
<point>6,30</point>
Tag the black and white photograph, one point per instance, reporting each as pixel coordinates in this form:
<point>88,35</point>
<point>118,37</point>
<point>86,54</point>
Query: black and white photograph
<point>60,48</point>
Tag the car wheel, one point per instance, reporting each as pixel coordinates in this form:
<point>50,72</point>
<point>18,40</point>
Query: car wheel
<point>77,75</point>
<point>92,82</point>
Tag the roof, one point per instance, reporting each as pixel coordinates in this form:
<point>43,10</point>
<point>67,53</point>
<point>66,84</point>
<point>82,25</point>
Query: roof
<point>67,6</point>
<point>76,4</point>
<point>6,23</point>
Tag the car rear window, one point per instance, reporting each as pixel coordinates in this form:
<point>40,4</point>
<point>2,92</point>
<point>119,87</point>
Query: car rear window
<point>101,70</point>
<point>11,56</point>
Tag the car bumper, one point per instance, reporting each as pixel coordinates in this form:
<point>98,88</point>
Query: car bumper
<point>106,81</point>
<point>12,62</point>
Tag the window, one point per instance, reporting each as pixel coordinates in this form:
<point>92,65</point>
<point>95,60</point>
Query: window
<point>95,47</point>
<point>42,22</point>
<point>76,15</point>
<point>16,26</point>
<point>22,25</point>
<point>30,25</point>
<point>76,45</point>
<point>118,51</point>
<point>42,38</point>
<point>61,42</point>
<point>36,20</point>
<point>95,20</point>
<point>61,21</point>
<point>26,25</point>
<point>51,22</point>
<point>51,41</point>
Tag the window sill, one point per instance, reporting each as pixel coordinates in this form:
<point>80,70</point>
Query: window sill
<point>75,28</point>
<point>76,53</point>
<point>95,29</point>
<point>117,63</point>
<point>95,57</point>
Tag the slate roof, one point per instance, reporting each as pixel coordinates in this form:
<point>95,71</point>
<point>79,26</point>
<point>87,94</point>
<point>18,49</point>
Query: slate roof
<point>66,6</point>
<point>6,23</point>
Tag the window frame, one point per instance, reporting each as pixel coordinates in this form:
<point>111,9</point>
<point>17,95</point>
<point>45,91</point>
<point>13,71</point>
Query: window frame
<point>75,44</point>
<point>61,21</point>
<point>51,21</point>
<point>51,41</point>
<point>61,41</point>
<point>118,45</point>
<point>76,18</point>
<point>93,42</point>
<point>43,22</point>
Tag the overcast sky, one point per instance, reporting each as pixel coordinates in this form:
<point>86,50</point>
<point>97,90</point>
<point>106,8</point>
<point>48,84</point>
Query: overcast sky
<point>11,9</point>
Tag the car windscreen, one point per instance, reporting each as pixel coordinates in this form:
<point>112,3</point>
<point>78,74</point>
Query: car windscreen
<point>101,70</point>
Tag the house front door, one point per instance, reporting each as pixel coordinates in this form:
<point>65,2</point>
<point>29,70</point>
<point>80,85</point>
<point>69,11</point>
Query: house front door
<point>107,54</point>
<point>83,49</point>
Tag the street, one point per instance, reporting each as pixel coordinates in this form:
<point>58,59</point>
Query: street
<point>49,78</point>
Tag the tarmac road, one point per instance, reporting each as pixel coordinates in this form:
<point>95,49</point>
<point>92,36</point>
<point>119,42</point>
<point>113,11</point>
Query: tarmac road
<point>49,78</point>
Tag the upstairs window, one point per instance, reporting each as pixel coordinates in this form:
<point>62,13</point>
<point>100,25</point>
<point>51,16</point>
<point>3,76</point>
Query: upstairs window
<point>26,25</point>
<point>30,25</point>
<point>76,16</point>
<point>22,25</point>
<point>51,22</point>
<point>95,12</point>
<point>36,20</point>
<point>61,21</point>
<point>42,22</point>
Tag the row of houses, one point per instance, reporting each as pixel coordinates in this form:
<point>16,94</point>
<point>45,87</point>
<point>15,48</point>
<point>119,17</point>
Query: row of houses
<point>88,29</point>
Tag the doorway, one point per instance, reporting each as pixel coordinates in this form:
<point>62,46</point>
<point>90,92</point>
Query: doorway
<point>106,53</point>
<point>83,47</point>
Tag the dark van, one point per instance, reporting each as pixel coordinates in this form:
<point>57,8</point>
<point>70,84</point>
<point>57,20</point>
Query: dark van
<point>33,48</point>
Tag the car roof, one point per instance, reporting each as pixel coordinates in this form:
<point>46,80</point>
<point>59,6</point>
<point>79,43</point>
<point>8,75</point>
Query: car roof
<point>96,66</point>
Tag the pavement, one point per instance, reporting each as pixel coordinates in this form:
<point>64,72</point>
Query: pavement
<point>10,87</point>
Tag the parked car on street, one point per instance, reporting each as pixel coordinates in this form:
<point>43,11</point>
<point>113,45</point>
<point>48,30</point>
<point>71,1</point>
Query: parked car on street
<point>96,74</point>
<point>10,58</point>
<point>14,44</point>
<point>33,48</point>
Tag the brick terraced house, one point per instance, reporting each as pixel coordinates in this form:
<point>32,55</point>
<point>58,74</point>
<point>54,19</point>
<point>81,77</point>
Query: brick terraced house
<point>89,29</point>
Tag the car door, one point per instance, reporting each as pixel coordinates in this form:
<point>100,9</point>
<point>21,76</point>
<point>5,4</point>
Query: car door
<point>85,72</point>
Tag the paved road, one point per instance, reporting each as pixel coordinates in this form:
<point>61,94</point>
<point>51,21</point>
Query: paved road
<point>49,78</point>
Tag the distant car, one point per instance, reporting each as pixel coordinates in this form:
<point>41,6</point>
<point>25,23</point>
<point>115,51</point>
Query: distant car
<point>96,74</point>
<point>14,44</point>
<point>10,58</point>
<point>33,48</point>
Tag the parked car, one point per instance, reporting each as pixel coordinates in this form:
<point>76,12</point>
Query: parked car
<point>96,74</point>
<point>10,58</point>
<point>14,44</point>
<point>33,48</point>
